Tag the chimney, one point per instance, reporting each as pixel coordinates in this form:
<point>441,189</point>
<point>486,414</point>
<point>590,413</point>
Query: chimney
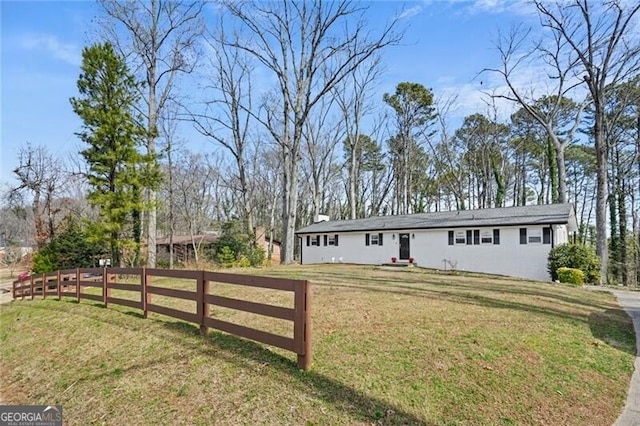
<point>261,236</point>
<point>320,218</point>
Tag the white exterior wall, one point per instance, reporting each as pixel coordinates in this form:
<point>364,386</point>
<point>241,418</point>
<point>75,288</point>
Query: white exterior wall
<point>431,249</point>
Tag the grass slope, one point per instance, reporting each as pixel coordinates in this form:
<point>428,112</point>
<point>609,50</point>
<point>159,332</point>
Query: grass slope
<point>391,346</point>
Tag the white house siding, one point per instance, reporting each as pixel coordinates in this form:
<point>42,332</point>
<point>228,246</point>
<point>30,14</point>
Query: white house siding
<point>431,249</point>
<point>351,249</point>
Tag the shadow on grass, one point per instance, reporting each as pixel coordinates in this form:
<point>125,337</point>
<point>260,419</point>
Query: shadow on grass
<point>442,282</point>
<point>249,355</point>
<point>615,328</point>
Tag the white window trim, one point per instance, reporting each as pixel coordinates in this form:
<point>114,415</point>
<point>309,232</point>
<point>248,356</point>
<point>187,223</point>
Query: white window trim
<point>486,235</point>
<point>533,235</point>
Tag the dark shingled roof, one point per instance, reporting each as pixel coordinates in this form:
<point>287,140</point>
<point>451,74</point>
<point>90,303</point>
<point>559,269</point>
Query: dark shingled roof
<point>549,214</point>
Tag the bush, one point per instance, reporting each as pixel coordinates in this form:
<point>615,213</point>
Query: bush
<point>235,247</point>
<point>43,262</point>
<point>576,256</point>
<point>226,258</point>
<point>71,248</point>
<point>571,276</point>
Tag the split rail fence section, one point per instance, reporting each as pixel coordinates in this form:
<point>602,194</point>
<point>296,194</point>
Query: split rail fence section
<point>71,283</point>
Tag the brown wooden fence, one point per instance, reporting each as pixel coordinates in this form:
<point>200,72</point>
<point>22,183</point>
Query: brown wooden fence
<point>72,282</point>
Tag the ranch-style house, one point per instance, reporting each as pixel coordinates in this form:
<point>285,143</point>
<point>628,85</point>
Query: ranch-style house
<point>513,241</point>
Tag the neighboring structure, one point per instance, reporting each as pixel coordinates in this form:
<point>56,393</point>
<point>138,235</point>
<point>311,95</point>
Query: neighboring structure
<point>512,241</point>
<point>263,240</point>
<point>183,246</point>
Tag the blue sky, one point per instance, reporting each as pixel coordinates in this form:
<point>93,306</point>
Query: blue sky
<point>446,45</point>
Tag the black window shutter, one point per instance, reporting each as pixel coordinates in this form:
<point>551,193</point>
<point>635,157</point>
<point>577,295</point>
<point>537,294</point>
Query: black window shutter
<point>469,237</point>
<point>380,239</point>
<point>496,236</point>
<point>366,239</point>
<point>523,235</point>
<point>318,240</point>
<point>336,239</point>
<point>450,238</point>
<point>308,240</point>
<point>546,235</point>
<point>325,240</point>
<point>476,236</point>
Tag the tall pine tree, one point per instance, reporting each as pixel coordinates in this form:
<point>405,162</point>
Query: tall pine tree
<point>108,93</point>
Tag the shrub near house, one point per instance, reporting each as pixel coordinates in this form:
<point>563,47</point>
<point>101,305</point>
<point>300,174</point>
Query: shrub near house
<point>574,256</point>
<point>571,276</point>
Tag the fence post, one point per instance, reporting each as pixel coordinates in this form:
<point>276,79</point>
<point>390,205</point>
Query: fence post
<point>78,284</point>
<point>105,287</point>
<point>302,325</point>
<point>43,287</point>
<point>203,306</point>
<point>59,285</point>
<point>143,291</point>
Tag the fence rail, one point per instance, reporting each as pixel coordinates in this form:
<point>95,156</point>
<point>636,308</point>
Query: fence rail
<point>72,282</point>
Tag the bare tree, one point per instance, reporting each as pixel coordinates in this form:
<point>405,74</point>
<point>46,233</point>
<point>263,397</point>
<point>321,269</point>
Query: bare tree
<point>160,38</point>
<point>169,125</point>
<point>226,116</point>
<point>551,111</point>
<point>195,184</point>
<point>40,175</point>
<point>606,48</point>
<point>321,136</point>
<point>309,47</point>
<point>353,97</point>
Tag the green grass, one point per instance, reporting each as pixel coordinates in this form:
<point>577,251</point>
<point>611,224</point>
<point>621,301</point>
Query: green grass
<point>391,346</point>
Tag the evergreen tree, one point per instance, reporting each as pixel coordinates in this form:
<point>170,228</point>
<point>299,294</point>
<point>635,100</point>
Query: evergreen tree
<point>117,170</point>
<point>414,113</point>
<point>71,248</point>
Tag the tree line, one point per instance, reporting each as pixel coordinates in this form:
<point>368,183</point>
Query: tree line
<point>321,139</point>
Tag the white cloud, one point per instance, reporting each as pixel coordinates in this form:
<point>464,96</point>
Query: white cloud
<point>516,7</point>
<point>67,52</point>
<point>409,13</point>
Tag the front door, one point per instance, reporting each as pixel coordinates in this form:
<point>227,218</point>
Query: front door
<point>404,247</point>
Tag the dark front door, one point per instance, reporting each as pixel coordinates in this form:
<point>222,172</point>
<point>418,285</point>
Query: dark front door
<point>404,247</point>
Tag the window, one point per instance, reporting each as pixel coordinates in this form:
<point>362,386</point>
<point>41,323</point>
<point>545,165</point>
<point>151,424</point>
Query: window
<point>373,239</point>
<point>535,236</point>
<point>333,240</point>
<point>461,237</point>
<point>523,235</point>
<point>546,235</point>
<point>486,237</point>
<point>496,236</point>
<point>315,241</point>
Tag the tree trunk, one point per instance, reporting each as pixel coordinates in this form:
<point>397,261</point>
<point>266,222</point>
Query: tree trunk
<point>601,193</point>
<point>289,206</point>
<point>553,163</point>
<point>562,175</point>
<point>171,206</point>
<point>622,243</point>
<point>352,178</point>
